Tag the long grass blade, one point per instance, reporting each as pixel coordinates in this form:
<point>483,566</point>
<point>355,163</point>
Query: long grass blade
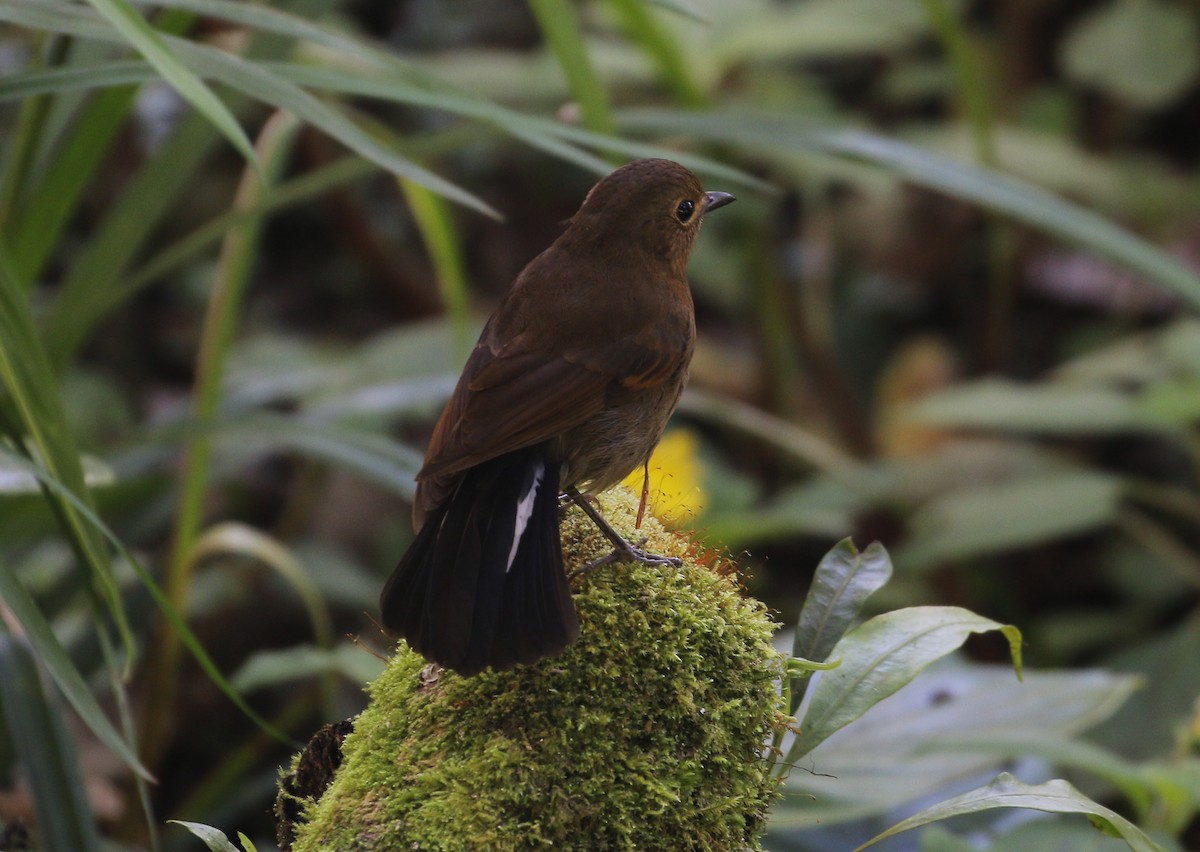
<point>41,425</point>
<point>58,664</point>
<point>152,45</point>
<point>1011,196</point>
<point>189,639</point>
<point>559,23</point>
<point>35,725</point>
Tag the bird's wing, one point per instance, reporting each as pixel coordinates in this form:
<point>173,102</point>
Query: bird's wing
<point>507,401</point>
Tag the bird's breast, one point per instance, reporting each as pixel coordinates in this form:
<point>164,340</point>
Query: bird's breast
<point>604,450</point>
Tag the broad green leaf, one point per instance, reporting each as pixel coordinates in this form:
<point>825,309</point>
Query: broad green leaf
<point>213,838</point>
<point>30,717</point>
<point>843,582</point>
<point>1144,52</point>
<point>820,28</point>
<point>1045,408</point>
<point>1056,796</point>
<point>1061,835</point>
<point>1065,754</point>
<point>152,45</point>
<point>879,657</point>
<point>993,517</point>
<point>907,748</point>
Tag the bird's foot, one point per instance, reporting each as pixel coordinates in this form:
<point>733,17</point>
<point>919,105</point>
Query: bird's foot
<point>623,551</point>
<point>628,552</point>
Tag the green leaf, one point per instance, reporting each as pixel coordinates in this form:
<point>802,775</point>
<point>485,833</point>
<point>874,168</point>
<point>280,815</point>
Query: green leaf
<point>1056,796</point>
<point>256,81</point>
<point>843,582</point>
<point>681,7</point>
<point>28,715</point>
<point>53,200</point>
<point>58,664</point>
<point>561,30</point>
<point>993,517</point>
<point>272,668</point>
<point>151,44</point>
<point>372,456</point>
<point>169,612</point>
<point>1046,408</point>
<point>916,745</point>
<point>1071,754</point>
<point>993,190</point>
<point>544,133</point>
<point>1144,52</point>
<point>433,219</point>
<point>231,537</point>
<point>815,29</point>
<point>15,478</point>
<point>882,655</point>
<point>33,389</point>
<point>213,838</point>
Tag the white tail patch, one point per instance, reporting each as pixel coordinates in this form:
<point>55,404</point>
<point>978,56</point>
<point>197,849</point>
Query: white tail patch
<point>525,512</point>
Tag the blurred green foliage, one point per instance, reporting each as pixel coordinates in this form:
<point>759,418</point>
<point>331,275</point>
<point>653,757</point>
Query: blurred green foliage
<point>951,311</point>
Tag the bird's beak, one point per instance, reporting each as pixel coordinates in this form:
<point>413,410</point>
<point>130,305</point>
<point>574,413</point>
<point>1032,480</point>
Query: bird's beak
<point>717,199</point>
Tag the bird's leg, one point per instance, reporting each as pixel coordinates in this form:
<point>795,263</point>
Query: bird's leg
<point>566,501</point>
<point>645,493</point>
<point>623,551</point>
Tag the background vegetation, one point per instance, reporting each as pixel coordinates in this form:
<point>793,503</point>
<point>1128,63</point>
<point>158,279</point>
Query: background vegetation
<point>952,310</point>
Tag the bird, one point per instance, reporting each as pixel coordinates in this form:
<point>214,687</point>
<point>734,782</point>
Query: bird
<point>566,392</point>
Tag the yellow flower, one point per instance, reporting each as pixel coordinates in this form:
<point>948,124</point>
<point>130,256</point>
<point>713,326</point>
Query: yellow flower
<point>675,475</point>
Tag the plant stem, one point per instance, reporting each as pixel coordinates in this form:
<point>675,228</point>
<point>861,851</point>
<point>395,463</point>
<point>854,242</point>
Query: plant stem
<point>232,275</point>
<point>977,106</point>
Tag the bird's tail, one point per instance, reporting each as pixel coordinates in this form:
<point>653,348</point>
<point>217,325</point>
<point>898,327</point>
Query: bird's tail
<point>483,583</point>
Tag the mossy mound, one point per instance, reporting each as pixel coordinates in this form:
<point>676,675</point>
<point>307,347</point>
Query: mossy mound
<point>645,734</point>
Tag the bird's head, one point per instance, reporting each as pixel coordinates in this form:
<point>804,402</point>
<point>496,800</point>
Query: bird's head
<point>650,205</point>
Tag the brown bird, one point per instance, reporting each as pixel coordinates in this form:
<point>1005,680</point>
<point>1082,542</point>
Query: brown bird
<point>568,390</point>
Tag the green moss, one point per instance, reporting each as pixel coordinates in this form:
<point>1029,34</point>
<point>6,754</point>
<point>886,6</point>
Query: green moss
<point>647,733</point>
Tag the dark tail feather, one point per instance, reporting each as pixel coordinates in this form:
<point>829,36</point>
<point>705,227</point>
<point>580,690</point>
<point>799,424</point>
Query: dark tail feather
<point>456,598</point>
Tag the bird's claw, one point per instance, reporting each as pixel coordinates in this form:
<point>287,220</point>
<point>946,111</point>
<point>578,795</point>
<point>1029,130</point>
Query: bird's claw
<point>627,552</point>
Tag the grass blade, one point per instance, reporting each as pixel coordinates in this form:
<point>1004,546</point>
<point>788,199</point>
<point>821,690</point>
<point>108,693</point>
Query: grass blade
<point>41,420</point>
<point>560,27</point>
<point>40,738</point>
<point>233,273</point>
<point>1003,193</point>
<point>151,44</point>
<point>189,639</point>
<point>57,662</point>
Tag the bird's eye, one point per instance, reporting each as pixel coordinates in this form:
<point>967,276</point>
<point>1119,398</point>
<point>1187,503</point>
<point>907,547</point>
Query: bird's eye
<point>685,210</point>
